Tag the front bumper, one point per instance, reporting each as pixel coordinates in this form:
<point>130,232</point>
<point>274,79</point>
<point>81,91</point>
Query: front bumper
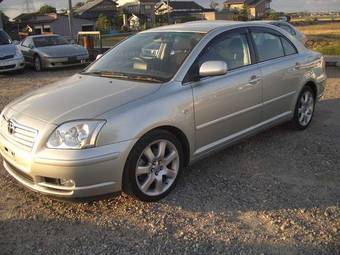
<point>51,63</point>
<point>95,171</point>
<point>11,65</point>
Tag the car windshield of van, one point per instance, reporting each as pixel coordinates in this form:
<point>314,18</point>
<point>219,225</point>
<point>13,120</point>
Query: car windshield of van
<point>45,41</point>
<point>4,38</point>
<point>151,56</point>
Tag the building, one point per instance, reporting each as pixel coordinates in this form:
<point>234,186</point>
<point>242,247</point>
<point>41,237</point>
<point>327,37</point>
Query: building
<point>31,23</point>
<point>258,8</point>
<point>179,10</point>
<point>92,9</point>
<point>141,10</point>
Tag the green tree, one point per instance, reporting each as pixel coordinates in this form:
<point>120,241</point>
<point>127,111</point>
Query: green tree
<point>103,24</point>
<point>46,9</point>
<point>244,13</point>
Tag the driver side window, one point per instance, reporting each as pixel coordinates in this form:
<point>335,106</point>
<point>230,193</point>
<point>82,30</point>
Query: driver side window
<point>232,49</point>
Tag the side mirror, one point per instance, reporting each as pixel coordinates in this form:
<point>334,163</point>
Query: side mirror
<point>99,56</point>
<point>213,68</point>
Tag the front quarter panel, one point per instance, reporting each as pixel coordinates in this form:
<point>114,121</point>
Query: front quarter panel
<point>172,105</point>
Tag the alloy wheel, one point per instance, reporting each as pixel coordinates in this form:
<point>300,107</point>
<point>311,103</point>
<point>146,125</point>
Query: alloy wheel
<point>157,168</point>
<point>306,108</point>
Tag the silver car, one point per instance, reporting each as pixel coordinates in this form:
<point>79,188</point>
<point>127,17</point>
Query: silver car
<point>135,118</point>
<point>52,51</point>
<point>11,58</point>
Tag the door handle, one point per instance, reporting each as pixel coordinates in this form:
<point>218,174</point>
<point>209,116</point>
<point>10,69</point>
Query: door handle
<point>254,80</point>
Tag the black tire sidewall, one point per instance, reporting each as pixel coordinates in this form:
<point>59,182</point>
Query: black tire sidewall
<point>129,180</point>
<point>35,58</point>
<point>296,121</point>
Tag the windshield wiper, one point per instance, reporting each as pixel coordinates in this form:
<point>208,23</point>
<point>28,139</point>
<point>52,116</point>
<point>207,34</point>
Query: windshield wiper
<point>109,74</point>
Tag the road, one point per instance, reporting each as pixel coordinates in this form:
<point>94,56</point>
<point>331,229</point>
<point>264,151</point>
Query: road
<point>275,193</point>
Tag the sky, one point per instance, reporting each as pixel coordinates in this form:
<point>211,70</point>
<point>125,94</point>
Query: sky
<point>14,7</point>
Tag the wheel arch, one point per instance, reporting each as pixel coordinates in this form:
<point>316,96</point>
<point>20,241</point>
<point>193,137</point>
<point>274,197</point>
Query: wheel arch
<point>180,135</point>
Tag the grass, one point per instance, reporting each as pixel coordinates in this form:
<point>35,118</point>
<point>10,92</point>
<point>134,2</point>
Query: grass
<point>323,37</point>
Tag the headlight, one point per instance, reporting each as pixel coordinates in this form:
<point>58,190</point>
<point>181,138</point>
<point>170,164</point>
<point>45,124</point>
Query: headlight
<point>75,135</point>
<point>18,53</point>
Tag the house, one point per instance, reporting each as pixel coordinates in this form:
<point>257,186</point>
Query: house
<point>144,10</point>
<point>33,23</point>
<point>179,10</point>
<point>92,9</point>
<point>258,8</point>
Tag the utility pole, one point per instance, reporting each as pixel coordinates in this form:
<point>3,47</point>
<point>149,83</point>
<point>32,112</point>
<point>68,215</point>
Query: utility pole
<point>168,3</point>
<point>70,18</point>
<point>1,24</point>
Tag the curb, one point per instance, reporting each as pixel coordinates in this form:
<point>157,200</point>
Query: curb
<point>332,60</point>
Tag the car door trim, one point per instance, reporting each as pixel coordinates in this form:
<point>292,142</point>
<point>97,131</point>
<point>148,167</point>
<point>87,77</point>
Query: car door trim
<point>278,98</point>
<point>240,133</point>
<point>210,123</point>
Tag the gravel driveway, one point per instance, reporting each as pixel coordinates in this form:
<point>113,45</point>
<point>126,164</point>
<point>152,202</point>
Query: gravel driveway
<point>275,193</point>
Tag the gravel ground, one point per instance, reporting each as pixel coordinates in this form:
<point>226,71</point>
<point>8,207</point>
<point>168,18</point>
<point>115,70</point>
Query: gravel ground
<point>275,193</point>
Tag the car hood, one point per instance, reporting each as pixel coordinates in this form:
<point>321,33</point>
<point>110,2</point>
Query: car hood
<point>7,49</point>
<point>80,97</point>
<point>67,50</point>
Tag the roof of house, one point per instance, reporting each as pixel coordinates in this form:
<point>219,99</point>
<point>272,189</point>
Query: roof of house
<point>182,5</point>
<point>249,2</point>
<point>89,5</point>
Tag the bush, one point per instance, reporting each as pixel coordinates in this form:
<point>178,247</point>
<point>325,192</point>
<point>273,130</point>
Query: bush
<point>331,49</point>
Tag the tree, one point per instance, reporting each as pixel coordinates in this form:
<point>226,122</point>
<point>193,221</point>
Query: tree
<point>244,13</point>
<point>103,24</point>
<point>45,9</point>
<point>213,4</point>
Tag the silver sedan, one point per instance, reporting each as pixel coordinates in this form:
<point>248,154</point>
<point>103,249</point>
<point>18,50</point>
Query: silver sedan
<point>52,51</point>
<point>155,103</point>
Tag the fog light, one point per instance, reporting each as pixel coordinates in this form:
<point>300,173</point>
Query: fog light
<point>67,183</point>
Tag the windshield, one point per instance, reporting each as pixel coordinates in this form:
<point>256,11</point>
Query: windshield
<point>44,41</point>
<point>146,56</point>
<point>4,38</point>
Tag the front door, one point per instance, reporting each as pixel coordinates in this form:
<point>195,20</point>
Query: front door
<point>225,106</point>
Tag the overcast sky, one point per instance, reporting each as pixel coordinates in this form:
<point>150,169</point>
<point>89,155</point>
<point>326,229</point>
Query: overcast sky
<point>13,7</point>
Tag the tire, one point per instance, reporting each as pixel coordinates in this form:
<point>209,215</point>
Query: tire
<point>37,64</point>
<point>153,166</point>
<point>304,110</point>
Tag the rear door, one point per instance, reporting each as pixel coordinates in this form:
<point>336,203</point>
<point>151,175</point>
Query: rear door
<point>225,106</point>
<point>278,60</point>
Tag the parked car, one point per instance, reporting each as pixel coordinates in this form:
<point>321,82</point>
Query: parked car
<point>133,122</point>
<point>289,28</point>
<point>11,58</point>
<point>52,51</point>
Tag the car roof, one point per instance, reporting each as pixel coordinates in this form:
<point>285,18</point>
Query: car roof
<point>196,26</point>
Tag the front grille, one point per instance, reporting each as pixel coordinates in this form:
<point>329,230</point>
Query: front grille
<point>7,57</point>
<point>19,173</point>
<point>18,133</point>
<point>7,67</point>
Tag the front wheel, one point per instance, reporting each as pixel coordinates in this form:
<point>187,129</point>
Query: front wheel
<point>304,109</point>
<point>153,166</point>
<point>37,64</point>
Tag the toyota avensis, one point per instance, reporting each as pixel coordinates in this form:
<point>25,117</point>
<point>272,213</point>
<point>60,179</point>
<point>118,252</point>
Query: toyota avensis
<point>155,103</point>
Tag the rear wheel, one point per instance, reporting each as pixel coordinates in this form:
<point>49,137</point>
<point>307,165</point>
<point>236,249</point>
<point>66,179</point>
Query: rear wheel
<point>153,166</point>
<point>37,64</point>
<point>304,109</point>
